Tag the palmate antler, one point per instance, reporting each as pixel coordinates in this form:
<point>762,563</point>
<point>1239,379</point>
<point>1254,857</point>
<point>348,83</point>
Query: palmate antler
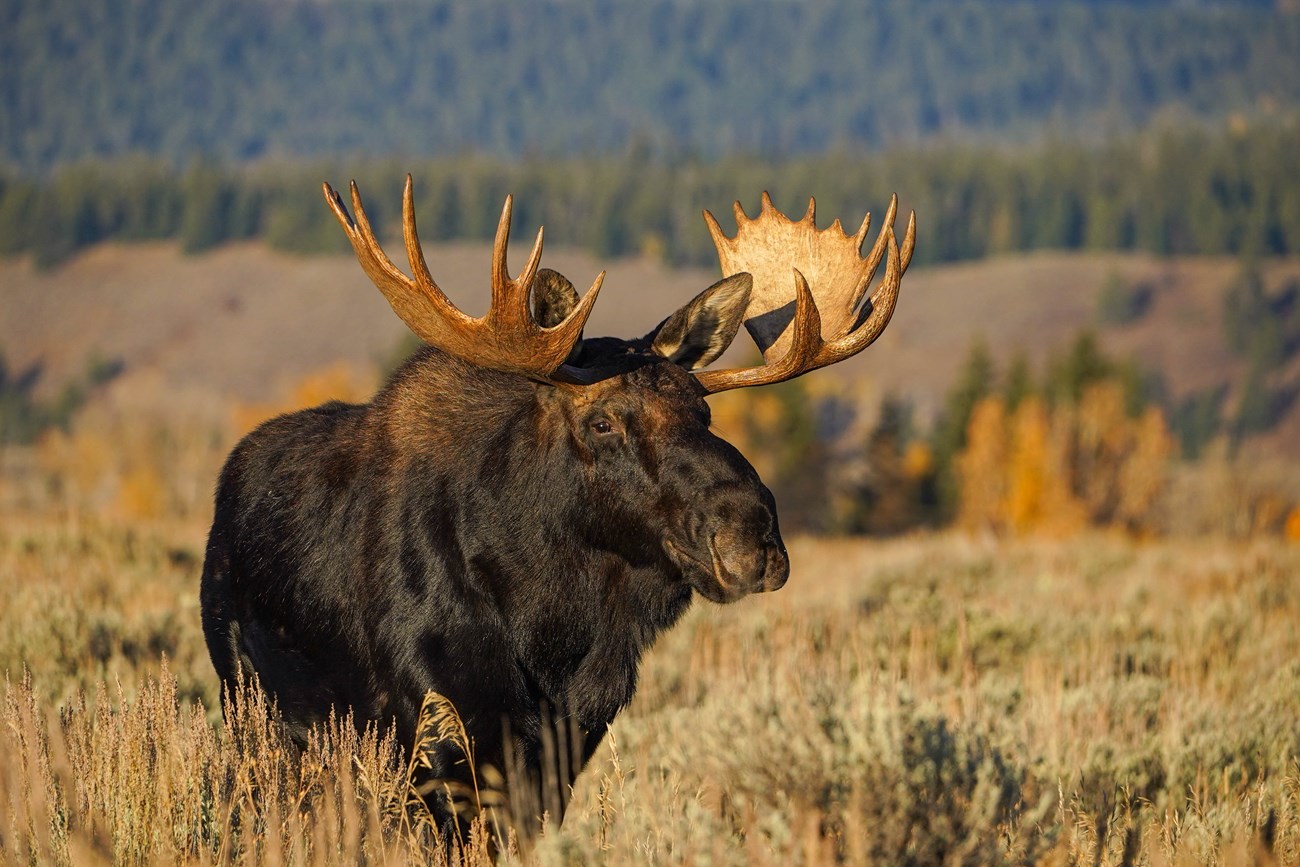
<point>808,283</point>
<point>506,338</point>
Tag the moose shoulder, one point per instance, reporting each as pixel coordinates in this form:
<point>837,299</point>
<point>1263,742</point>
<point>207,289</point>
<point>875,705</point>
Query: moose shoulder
<point>519,512</point>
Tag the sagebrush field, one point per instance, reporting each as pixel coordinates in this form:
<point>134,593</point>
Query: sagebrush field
<point>934,699</point>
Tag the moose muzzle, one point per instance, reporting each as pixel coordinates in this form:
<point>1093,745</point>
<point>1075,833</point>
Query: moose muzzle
<point>732,558</point>
<point>740,567</point>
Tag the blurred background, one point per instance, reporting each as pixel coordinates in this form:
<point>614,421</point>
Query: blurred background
<point>1083,420</point>
<point>1101,327</point>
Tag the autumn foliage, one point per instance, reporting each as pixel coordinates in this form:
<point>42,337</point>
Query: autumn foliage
<point>117,463</point>
<point>1057,469</point>
<point>337,381</point>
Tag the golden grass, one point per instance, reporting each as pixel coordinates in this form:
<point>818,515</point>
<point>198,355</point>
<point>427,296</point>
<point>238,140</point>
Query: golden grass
<point>931,700</point>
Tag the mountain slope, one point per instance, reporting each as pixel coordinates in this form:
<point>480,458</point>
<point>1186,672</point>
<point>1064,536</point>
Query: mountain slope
<point>243,79</point>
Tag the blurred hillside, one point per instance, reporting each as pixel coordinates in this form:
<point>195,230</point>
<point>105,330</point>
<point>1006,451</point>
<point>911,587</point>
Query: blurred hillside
<point>171,322</point>
<point>245,79</point>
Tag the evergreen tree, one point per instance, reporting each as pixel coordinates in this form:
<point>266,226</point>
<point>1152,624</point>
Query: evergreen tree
<point>1197,419</point>
<point>890,500</point>
<point>1082,364</point>
<point>205,215</point>
<point>1120,303</point>
<point>1257,407</point>
<point>1020,381</point>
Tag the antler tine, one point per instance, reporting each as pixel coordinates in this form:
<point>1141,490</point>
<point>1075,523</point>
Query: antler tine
<point>909,241</point>
<point>877,250</point>
<point>500,273</point>
<point>378,267</point>
<point>522,286</point>
<point>905,251</point>
<point>886,228</point>
<point>882,310</point>
<point>415,255</point>
<point>510,310</point>
<point>507,338</point>
<point>715,231</point>
<point>860,236</point>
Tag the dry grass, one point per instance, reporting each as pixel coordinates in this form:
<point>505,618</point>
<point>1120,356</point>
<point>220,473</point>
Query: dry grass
<point>924,701</point>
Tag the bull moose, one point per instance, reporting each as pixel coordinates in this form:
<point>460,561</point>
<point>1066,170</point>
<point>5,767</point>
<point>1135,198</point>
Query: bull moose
<point>519,511</point>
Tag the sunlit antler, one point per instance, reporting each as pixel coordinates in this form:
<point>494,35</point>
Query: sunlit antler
<point>507,337</point>
<point>806,310</point>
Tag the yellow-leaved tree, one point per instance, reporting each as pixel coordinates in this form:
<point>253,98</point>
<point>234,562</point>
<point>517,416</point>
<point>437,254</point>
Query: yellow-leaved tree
<point>1040,497</point>
<point>982,467</point>
<point>1144,475</point>
<point>1057,469</point>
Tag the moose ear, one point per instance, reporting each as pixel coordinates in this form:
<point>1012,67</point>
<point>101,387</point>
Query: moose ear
<point>553,298</point>
<point>702,330</point>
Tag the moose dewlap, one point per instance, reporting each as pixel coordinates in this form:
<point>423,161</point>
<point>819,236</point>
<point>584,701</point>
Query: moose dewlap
<point>520,511</point>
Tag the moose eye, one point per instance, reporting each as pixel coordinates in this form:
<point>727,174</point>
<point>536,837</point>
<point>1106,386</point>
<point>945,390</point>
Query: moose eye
<point>601,426</point>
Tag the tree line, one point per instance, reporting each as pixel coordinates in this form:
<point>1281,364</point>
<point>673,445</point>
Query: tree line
<point>251,79</point>
<point>1170,190</point>
<point>1084,441</point>
<point>831,476</point>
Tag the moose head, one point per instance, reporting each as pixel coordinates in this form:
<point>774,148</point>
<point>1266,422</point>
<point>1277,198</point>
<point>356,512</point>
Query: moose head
<point>633,420</point>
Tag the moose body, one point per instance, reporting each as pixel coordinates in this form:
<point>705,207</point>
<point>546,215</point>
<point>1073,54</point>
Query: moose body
<point>479,542</point>
<point>509,531</point>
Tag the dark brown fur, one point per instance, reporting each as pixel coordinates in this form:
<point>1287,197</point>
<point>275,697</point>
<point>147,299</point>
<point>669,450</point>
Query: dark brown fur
<point>512,545</point>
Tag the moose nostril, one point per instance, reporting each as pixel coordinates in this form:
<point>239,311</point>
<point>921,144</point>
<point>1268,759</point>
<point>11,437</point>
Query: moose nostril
<point>777,569</point>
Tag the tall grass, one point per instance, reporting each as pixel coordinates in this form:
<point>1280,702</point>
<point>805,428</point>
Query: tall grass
<point>925,701</point>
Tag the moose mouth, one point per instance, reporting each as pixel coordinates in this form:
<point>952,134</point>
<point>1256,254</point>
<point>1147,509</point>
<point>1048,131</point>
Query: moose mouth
<point>689,563</point>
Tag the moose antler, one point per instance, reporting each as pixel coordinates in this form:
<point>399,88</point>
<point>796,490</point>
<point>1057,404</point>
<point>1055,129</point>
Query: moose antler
<point>829,281</point>
<point>507,337</point>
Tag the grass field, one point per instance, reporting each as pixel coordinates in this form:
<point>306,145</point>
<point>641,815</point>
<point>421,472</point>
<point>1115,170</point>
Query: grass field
<point>937,699</point>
